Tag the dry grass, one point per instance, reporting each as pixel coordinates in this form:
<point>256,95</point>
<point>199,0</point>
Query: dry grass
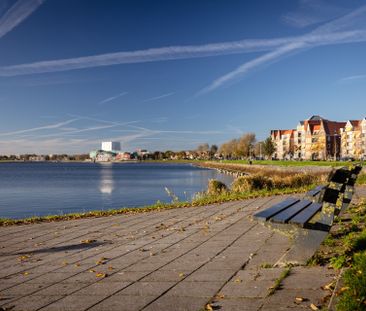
<point>261,181</point>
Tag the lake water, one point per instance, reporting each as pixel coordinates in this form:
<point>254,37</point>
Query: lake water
<point>37,189</point>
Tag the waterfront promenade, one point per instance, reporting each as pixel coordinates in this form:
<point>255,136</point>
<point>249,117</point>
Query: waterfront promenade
<point>179,259</point>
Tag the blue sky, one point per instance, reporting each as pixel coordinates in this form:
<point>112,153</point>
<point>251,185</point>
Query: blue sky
<point>172,74</point>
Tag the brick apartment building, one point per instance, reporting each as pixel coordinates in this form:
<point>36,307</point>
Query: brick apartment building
<point>320,139</point>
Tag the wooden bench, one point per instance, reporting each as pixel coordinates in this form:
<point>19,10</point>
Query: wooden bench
<point>310,218</point>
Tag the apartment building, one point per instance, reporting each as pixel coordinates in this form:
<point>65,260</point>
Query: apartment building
<point>284,143</point>
<point>314,139</point>
<point>353,139</point>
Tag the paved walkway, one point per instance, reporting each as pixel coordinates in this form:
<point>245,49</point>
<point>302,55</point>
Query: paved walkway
<point>179,259</point>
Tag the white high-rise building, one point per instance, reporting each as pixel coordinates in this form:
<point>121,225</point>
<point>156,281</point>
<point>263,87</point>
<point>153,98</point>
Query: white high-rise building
<point>111,146</point>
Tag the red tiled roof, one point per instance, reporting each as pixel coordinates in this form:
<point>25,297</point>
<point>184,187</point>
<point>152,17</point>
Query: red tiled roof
<point>356,123</point>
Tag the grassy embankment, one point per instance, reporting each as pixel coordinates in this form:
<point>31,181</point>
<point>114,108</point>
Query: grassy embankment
<point>289,163</point>
<point>253,186</point>
<point>344,249</point>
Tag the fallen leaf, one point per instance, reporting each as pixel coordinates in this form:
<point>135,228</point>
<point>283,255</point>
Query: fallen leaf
<point>329,286</point>
<point>92,270</point>
<point>299,299</point>
<point>25,273</point>
<point>181,275</point>
<point>24,257</point>
<point>110,268</point>
<point>238,280</point>
<point>313,307</point>
<point>209,307</point>
<point>87,241</point>
<point>343,289</point>
<point>101,275</point>
<point>77,265</point>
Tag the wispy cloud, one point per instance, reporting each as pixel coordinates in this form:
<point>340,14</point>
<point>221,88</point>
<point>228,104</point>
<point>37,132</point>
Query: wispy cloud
<point>352,78</point>
<point>17,14</point>
<point>334,32</point>
<point>40,128</point>
<point>86,133</point>
<point>174,53</point>
<point>249,66</point>
<point>151,99</point>
<point>109,99</point>
<point>310,12</point>
<point>347,29</point>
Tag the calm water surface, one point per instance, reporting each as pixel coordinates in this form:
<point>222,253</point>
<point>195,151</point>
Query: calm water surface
<point>36,189</point>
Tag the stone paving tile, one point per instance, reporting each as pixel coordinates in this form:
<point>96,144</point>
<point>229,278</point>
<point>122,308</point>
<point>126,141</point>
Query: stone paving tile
<point>125,276</point>
<point>146,289</point>
<point>194,289</point>
<point>238,288</point>
<point>167,276</point>
<point>239,304</point>
<point>124,303</point>
<point>170,303</point>
<point>60,289</point>
<point>30,303</point>
<point>202,275</point>
<point>285,298</point>
<point>22,289</point>
<point>171,260</point>
<point>73,303</point>
<point>103,288</point>
<point>309,278</point>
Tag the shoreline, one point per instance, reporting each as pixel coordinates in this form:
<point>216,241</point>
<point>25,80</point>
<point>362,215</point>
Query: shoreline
<point>206,200</point>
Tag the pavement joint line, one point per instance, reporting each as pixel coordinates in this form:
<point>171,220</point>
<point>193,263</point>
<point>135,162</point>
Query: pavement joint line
<point>188,251</point>
<point>84,221</point>
<point>106,221</point>
<point>232,224</point>
<point>230,205</point>
<point>117,245</point>
<point>242,268</point>
<point>99,229</point>
<point>198,230</point>
<point>194,212</point>
<point>78,238</point>
<point>210,260</point>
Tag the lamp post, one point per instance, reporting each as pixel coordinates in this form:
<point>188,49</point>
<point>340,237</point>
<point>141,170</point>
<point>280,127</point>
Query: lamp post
<point>335,145</point>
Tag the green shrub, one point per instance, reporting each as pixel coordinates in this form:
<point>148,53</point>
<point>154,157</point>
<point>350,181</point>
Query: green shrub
<point>354,295</point>
<point>338,262</point>
<point>216,187</point>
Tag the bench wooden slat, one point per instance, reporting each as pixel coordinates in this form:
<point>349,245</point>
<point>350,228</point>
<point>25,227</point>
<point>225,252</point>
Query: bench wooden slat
<point>287,214</point>
<point>275,209</point>
<point>306,214</point>
<point>315,191</point>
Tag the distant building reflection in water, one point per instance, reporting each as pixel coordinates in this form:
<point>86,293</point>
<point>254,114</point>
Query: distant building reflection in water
<point>106,179</point>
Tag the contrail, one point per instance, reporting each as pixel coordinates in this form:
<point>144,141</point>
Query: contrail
<point>178,52</point>
<point>16,14</point>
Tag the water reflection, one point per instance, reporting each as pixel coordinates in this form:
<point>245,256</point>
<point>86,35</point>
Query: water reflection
<point>106,179</point>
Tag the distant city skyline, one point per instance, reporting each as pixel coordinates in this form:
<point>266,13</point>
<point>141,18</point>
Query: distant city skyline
<point>165,75</point>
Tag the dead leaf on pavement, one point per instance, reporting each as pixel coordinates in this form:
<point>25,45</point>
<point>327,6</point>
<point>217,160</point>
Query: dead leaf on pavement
<point>314,307</point>
<point>300,299</point>
<point>88,241</point>
<point>208,307</point>
<point>101,275</point>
